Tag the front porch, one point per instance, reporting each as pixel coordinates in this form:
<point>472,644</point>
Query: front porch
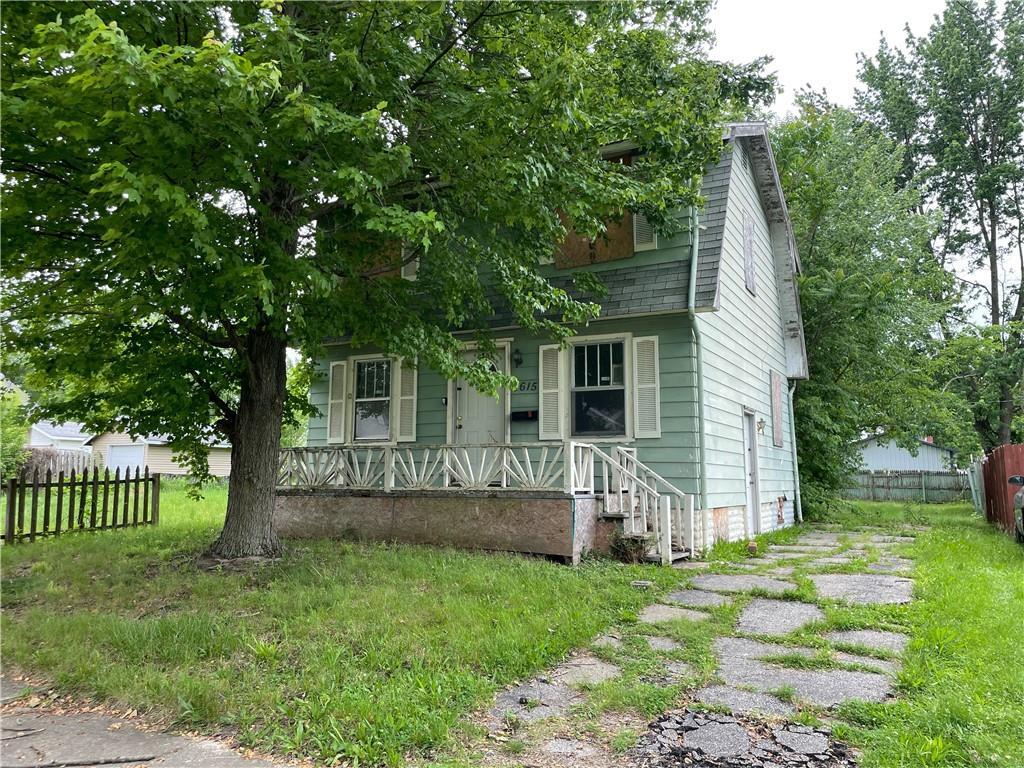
<point>559,499</point>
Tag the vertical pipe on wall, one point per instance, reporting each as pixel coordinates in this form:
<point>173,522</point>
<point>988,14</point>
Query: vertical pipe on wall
<point>798,509</point>
<point>691,304</point>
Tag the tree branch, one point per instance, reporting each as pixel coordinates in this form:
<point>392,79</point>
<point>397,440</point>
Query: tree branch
<point>451,44</point>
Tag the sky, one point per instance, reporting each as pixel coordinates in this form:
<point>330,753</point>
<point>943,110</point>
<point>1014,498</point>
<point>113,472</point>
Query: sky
<point>812,42</point>
<point>816,44</point>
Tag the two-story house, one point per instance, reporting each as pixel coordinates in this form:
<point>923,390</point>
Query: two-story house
<point>669,416</point>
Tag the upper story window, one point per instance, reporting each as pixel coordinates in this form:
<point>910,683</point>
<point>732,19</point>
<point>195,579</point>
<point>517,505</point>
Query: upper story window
<point>371,418</point>
<point>598,390</point>
<point>410,266</point>
<point>748,253</point>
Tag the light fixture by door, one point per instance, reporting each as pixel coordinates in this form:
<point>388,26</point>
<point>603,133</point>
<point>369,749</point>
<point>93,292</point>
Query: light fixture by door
<point>517,358</point>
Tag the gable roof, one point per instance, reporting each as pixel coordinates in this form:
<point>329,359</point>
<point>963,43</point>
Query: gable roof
<point>753,137</point>
<point>884,437</point>
<point>68,430</point>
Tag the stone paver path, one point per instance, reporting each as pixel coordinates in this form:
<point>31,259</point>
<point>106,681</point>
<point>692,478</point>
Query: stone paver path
<point>777,617</point>
<point>749,674</point>
<point>870,638</point>
<point>718,582</point>
<point>863,589</point>
<point>743,702</point>
<point>698,598</point>
<point>662,644</point>
<point>659,612</point>
<point>825,687</point>
<point>584,670</point>
<point>532,701</point>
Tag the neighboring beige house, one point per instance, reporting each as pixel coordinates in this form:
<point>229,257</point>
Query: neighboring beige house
<point>119,450</point>
<point>69,435</point>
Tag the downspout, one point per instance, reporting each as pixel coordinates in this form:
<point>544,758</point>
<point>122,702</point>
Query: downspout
<point>797,506</point>
<point>691,307</point>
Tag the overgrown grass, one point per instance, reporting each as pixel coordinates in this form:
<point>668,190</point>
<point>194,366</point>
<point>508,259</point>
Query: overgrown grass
<point>962,685</point>
<point>340,651</point>
<point>374,653</point>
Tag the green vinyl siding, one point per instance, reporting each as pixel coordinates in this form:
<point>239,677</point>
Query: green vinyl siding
<point>673,455</point>
<point>742,343</point>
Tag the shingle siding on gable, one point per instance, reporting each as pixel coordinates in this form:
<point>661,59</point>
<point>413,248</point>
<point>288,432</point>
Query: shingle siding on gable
<point>743,343</point>
<point>715,189</point>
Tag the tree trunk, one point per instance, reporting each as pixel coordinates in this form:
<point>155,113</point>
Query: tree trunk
<point>249,526</point>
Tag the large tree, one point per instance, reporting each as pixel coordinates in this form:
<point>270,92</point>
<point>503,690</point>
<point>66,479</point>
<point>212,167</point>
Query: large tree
<point>954,100</point>
<point>867,290</point>
<point>190,189</point>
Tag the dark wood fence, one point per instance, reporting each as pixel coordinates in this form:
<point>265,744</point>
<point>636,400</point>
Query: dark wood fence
<point>88,501</point>
<point>996,470</point>
<point>906,485</point>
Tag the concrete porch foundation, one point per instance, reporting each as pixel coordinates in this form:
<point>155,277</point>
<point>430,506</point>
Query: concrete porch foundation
<point>536,522</point>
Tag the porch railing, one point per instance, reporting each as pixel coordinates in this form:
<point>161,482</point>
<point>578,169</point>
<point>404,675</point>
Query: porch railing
<point>648,504</point>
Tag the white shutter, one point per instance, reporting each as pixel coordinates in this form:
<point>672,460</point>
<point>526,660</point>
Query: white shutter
<point>406,389</point>
<point>646,388</point>
<point>336,406</point>
<point>549,410</point>
<point>644,237</point>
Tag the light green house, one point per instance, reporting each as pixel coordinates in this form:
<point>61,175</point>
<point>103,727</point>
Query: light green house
<point>668,417</point>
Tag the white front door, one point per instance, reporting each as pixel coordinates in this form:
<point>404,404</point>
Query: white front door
<point>479,418</point>
<point>750,469</point>
<point>125,457</point>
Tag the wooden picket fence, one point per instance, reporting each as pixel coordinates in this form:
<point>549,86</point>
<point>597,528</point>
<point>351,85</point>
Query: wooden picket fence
<point>908,485</point>
<point>85,501</point>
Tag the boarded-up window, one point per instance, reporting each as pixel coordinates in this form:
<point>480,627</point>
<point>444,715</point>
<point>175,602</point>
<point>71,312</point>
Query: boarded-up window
<point>748,253</point>
<point>777,409</point>
<point>617,243</point>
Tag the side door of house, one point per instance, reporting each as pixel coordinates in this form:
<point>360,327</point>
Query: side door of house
<point>750,472</point>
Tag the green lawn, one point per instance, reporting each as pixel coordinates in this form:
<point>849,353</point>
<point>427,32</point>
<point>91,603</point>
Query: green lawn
<point>341,650</point>
<point>374,653</point>
<point>962,686</point>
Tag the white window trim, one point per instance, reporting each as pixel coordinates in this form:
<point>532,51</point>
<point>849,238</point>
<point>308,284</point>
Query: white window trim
<point>565,386</point>
<point>350,402</point>
<point>503,345</point>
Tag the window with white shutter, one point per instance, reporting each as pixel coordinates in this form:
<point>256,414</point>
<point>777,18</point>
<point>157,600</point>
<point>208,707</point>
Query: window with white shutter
<point>644,236</point>
<point>407,401</point>
<point>549,411</point>
<point>646,388</point>
<point>336,403</point>
<point>410,268</point>
<point>748,253</point>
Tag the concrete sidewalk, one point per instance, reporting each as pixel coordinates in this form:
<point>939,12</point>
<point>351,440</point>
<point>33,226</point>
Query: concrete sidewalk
<point>34,739</point>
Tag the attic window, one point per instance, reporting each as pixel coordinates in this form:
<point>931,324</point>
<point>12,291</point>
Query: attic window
<point>410,267</point>
<point>748,253</point>
<point>644,236</point>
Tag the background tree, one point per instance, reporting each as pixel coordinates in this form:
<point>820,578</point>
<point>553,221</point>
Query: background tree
<point>190,189</point>
<point>954,100</point>
<point>13,433</point>
<point>867,290</point>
